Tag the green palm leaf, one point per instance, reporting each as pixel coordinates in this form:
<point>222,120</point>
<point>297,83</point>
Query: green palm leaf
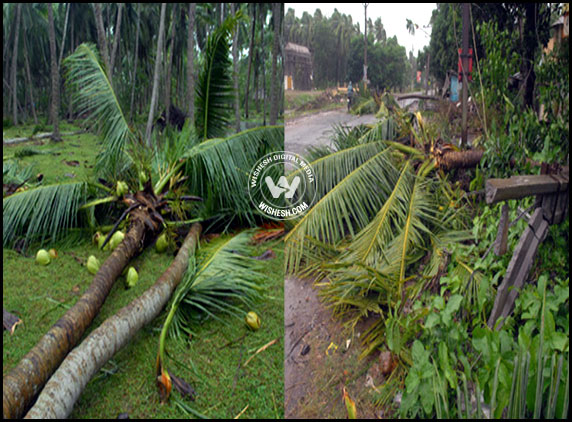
<point>43,212</point>
<point>369,244</point>
<point>223,280</point>
<point>330,169</point>
<point>218,170</point>
<point>346,208</point>
<point>214,90</point>
<point>95,97</point>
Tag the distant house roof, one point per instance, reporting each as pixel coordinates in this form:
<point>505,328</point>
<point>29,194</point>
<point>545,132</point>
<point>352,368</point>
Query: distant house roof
<point>300,49</point>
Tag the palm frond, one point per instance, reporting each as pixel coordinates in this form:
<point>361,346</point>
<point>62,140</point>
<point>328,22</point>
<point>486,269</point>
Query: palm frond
<point>95,97</point>
<point>214,90</point>
<point>218,169</point>
<point>331,168</point>
<point>224,278</point>
<point>346,208</point>
<point>41,213</point>
<point>369,244</point>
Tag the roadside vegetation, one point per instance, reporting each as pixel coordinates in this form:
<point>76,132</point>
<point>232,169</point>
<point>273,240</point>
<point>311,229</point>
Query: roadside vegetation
<point>400,237</point>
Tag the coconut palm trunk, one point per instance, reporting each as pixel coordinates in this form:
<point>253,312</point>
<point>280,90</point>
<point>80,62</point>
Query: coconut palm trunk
<point>59,394</point>
<point>24,382</point>
<point>55,77</point>
<point>235,73</point>
<point>101,37</point>
<point>250,57</point>
<point>274,95</point>
<point>14,70</point>
<point>190,62</point>
<point>156,75</point>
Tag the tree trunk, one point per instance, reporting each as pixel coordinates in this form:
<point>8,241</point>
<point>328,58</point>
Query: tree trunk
<point>190,62</point>
<point>168,81</point>
<point>63,45</point>
<point>459,159</point>
<point>235,73</point>
<point>30,84</point>
<point>24,382</point>
<point>250,48</point>
<point>134,78</point>
<point>59,395</point>
<point>101,39</point>
<point>158,59</point>
<point>116,38</point>
<point>55,76</point>
<point>274,96</point>
<point>263,62</point>
<point>14,71</point>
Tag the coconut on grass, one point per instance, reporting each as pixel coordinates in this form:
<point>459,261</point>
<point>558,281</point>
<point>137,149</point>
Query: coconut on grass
<point>42,257</point>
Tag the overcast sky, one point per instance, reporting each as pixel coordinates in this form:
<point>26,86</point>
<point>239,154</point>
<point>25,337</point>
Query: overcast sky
<point>393,16</point>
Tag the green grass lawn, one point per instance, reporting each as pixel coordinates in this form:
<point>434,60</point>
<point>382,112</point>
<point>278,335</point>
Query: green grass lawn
<point>41,295</point>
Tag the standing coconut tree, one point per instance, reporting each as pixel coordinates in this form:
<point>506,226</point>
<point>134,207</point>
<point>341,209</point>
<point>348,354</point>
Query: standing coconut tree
<point>275,84</point>
<point>251,6</point>
<point>156,75</point>
<point>235,73</point>
<point>102,42</point>
<point>55,76</point>
<point>14,70</point>
<point>190,62</point>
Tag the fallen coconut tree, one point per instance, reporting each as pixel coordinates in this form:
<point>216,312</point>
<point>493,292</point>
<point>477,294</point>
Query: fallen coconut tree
<point>23,383</point>
<point>65,386</point>
<point>200,161</point>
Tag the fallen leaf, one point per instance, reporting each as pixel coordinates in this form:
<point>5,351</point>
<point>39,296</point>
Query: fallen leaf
<point>72,163</point>
<point>183,387</point>
<point>10,321</point>
<point>350,405</point>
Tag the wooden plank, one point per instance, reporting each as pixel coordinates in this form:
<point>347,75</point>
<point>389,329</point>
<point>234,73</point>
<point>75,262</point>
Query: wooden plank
<point>518,268</point>
<point>502,233</point>
<point>517,187</point>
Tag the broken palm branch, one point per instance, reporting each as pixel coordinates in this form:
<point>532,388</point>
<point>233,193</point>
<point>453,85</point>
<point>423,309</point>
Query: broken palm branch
<point>222,280</point>
<point>41,213</point>
<point>59,395</point>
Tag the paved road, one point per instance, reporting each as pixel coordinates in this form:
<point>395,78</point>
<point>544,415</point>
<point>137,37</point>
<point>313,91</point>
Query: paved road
<point>316,129</point>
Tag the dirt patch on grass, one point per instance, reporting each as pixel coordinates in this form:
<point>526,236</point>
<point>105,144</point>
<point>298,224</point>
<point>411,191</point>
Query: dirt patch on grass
<point>321,357</point>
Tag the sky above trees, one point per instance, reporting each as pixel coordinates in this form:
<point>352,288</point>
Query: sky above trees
<point>393,17</point>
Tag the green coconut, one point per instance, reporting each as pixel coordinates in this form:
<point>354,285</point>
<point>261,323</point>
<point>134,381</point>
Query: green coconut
<point>121,188</point>
<point>116,239</point>
<point>42,257</point>
<point>53,253</point>
<point>252,320</point>
<point>93,264</point>
<point>132,277</point>
<point>162,243</point>
<point>100,241</point>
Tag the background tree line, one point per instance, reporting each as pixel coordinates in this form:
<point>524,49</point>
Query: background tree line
<point>337,47</point>
<point>127,36</point>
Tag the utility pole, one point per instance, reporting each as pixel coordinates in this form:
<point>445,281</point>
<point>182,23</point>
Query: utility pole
<point>464,69</point>
<point>365,47</point>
